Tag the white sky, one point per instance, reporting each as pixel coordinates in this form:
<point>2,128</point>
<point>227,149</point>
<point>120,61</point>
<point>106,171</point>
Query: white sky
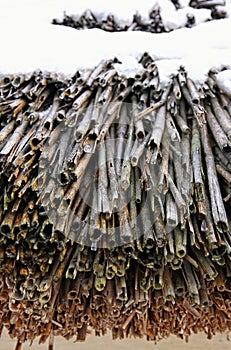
<point>29,41</point>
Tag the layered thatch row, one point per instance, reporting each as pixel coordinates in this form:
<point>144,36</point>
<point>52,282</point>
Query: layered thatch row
<point>114,205</point>
<point>152,24</point>
<point>89,20</point>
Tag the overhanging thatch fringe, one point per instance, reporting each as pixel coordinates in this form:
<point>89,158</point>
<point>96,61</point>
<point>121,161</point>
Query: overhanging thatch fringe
<point>114,205</point>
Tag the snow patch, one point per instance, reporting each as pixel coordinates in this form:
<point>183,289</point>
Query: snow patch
<point>223,80</point>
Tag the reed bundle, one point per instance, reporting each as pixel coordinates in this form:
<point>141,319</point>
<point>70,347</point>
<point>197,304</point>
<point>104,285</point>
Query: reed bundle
<point>153,23</point>
<point>114,205</point>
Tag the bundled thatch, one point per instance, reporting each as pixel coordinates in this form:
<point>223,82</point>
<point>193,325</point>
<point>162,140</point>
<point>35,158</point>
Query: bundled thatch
<point>114,205</point>
<point>109,23</point>
<point>153,23</point>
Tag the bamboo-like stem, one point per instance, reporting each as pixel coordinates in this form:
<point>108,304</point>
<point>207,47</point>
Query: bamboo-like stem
<point>14,139</point>
<point>6,131</point>
<point>154,107</point>
<point>103,200</point>
<point>190,278</point>
<point>126,165</point>
<point>168,289</point>
<point>138,149</point>
<point>217,131</point>
<point>198,170</point>
<point>176,194</point>
<point>224,173</point>
<point>218,210</point>
<point>207,266</point>
<point>222,117</point>
<point>180,242</point>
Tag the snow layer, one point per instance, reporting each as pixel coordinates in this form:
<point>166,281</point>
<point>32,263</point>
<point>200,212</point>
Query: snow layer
<point>223,80</point>
<point>29,41</point>
<point>173,19</point>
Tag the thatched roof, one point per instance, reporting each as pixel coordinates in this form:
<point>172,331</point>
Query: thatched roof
<point>115,205</point>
